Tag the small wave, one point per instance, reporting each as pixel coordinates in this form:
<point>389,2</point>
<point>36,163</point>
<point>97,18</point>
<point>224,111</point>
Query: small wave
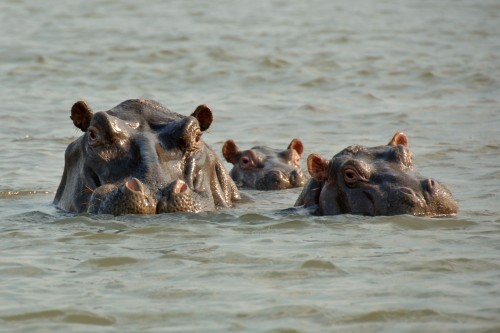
<point>489,148</point>
<point>393,315</point>
<point>418,222</point>
<point>103,222</point>
<point>428,76</point>
<point>21,193</point>
<point>367,72</point>
<point>33,216</point>
<point>252,218</point>
<point>24,138</point>
<point>320,81</point>
<point>21,270</point>
<point>317,264</point>
<point>111,262</point>
<point>293,224</point>
<point>105,236</point>
<point>457,265</point>
<point>221,54</point>
<point>273,62</point>
<point>77,317</point>
<point>407,315</point>
<point>287,311</point>
<point>481,79</point>
<point>372,97</point>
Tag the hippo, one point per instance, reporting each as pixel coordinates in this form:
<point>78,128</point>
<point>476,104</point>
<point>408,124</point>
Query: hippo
<point>141,158</point>
<point>264,168</point>
<point>373,181</point>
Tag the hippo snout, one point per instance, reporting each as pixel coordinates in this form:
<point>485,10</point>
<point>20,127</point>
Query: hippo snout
<point>130,197</point>
<point>431,198</point>
<point>134,197</point>
<point>278,180</point>
<point>432,188</point>
<point>273,180</point>
<point>297,178</point>
<point>178,197</point>
<point>440,201</point>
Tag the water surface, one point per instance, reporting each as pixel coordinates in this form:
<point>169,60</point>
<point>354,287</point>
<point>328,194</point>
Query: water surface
<point>331,73</point>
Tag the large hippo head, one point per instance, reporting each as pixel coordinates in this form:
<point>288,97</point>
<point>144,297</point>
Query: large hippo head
<point>373,181</point>
<point>141,158</point>
<point>264,168</point>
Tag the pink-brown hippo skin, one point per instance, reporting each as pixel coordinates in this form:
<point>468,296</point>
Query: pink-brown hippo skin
<point>264,168</point>
<point>141,158</point>
<point>373,181</point>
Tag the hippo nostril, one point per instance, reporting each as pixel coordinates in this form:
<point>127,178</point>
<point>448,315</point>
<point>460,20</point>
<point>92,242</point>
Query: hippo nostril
<point>429,185</point>
<point>180,187</point>
<point>134,185</point>
<point>275,176</point>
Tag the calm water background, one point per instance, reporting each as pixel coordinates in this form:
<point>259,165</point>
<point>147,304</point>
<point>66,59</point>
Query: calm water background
<point>333,73</point>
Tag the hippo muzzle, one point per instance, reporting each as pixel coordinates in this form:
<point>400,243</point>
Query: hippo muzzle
<point>132,197</point>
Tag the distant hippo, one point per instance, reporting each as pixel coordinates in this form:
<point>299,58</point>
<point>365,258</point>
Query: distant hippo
<point>141,158</point>
<point>373,181</point>
<point>264,168</point>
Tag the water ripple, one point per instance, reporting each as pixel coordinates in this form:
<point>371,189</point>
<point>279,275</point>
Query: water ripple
<point>75,317</point>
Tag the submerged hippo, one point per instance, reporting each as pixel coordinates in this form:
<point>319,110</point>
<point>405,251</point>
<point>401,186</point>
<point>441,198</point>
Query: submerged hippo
<point>141,158</point>
<point>264,168</point>
<point>373,181</point>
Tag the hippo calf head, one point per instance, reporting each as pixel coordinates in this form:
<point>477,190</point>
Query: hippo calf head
<point>140,158</point>
<point>374,181</point>
<point>264,168</point>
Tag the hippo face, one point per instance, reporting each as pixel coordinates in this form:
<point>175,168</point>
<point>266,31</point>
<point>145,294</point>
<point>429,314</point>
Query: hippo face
<point>263,168</point>
<point>131,156</point>
<point>374,181</point>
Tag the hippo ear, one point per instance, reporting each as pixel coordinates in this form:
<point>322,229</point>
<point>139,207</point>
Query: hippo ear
<point>399,139</point>
<point>204,116</point>
<point>296,145</point>
<point>81,115</point>
<point>318,167</point>
<point>231,152</point>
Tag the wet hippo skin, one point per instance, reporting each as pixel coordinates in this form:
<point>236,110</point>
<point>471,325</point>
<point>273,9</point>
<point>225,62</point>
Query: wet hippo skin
<point>141,158</point>
<point>373,181</point>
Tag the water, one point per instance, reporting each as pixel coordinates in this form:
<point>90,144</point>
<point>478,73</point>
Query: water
<point>332,73</point>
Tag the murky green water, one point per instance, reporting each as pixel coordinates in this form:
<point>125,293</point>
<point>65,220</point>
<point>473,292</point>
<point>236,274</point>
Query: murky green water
<point>331,73</point>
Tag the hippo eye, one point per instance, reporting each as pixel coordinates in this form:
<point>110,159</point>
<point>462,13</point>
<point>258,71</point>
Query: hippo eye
<point>93,137</point>
<point>245,160</point>
<point>352,175</point>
